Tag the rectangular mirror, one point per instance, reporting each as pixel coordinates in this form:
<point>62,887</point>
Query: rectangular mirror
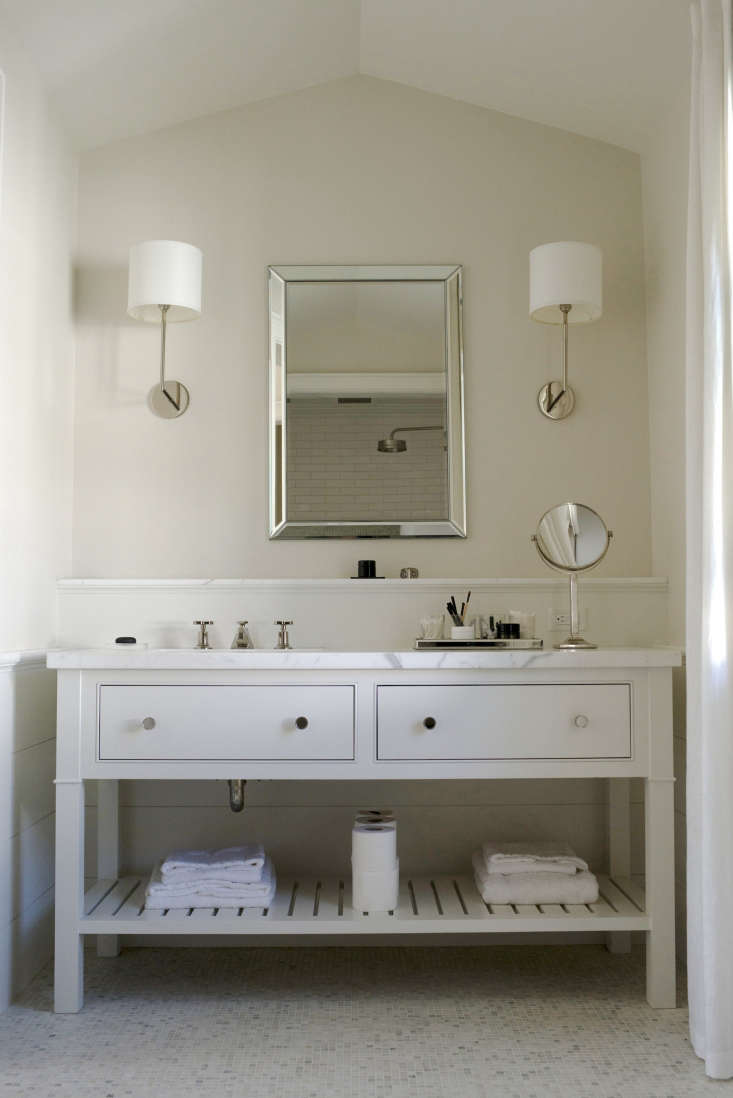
<point>366,434</point>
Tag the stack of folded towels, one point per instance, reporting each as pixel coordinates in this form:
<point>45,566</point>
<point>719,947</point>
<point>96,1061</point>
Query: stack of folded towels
<point>238,876</point>
<point>533,873</point>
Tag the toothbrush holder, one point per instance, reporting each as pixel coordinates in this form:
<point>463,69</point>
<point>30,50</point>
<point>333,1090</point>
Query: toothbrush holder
<point>432,628</point>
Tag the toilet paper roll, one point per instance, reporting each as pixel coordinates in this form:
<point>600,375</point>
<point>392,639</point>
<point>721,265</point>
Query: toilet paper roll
<point>374,846</point>
<point>386,819</point>
<point>376,891</point>
<point>375,812</point>
<point>375,825</point>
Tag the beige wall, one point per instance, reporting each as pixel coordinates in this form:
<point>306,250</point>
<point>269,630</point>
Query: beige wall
<point>37,204</point>
<point>664,172</point>
<point>366,171</point>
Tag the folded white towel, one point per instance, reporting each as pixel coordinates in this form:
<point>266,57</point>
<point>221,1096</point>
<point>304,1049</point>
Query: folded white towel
<point>534,888</point>
<point>185,878</point>
<point>529,857</point>
<point>158,886</point>
<point>260,893</point>
<point>215,863</point>
<point>201,883</point>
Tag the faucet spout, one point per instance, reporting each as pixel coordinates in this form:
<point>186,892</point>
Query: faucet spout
<point>236,793</point>
<point>242,638</point>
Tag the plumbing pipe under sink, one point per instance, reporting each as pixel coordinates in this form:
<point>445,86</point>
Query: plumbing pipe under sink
<point>236,793</point>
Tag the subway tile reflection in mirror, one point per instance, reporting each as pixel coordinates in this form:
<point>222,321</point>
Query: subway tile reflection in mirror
<point>366,402</point>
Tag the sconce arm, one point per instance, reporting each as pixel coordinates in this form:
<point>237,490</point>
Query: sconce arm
<point>163,326</point>
<point>565,309</point>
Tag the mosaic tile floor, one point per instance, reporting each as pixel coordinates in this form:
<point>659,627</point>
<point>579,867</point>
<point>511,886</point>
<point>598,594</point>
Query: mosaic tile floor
<point>516,1021</point>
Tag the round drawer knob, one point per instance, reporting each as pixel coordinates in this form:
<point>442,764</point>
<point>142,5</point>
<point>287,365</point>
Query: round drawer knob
<point>430,722</point>
<point>581,721</point>
<point>301,722</point>
<point>148,723</point>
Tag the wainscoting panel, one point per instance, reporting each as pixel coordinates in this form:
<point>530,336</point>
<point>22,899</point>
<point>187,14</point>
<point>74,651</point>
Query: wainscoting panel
<point>27,758</point>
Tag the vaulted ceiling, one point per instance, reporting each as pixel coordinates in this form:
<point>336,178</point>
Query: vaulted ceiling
<point>602,68</point>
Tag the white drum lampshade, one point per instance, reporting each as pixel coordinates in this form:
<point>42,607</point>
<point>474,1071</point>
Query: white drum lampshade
<point>165,285</point>
<point>164,272</point>
<point>565,273</point>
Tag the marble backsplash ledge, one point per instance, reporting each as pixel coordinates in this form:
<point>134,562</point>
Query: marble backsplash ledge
<point>350,614</point>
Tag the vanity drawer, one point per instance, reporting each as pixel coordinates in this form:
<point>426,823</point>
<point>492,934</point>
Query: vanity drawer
<point>562,721</point>
<point>226,722</point>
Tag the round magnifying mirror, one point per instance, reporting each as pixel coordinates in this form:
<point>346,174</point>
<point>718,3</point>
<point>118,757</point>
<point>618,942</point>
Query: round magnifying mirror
<point>572,538</point>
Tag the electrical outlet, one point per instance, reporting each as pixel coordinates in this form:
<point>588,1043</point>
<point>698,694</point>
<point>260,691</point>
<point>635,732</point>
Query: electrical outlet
<point>559,620</point>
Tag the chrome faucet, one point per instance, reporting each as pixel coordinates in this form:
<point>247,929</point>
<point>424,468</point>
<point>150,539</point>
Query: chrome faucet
<point>242,638</point>
<point>203,641</point>
<point>282,637</point>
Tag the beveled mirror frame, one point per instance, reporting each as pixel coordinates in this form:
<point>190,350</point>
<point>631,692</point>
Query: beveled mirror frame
<point>279,277</point>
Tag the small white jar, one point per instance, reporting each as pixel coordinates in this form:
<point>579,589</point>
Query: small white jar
<point>463,632</point>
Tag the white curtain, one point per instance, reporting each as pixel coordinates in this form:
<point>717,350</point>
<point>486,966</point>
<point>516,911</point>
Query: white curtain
<point>710,543</point>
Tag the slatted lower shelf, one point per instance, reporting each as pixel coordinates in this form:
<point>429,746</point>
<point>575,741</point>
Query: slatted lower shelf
<point>427,905</point>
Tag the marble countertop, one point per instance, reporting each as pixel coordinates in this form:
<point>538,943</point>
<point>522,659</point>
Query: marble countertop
<point>260,659</point>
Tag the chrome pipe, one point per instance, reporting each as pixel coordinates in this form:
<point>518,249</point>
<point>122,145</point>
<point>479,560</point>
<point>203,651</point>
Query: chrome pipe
<point>163,326</point>
<point>565,309</point>
<point>236,793</point>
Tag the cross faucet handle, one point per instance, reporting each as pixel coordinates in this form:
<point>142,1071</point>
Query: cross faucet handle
<point>203,641</point>
<point>282,639</point>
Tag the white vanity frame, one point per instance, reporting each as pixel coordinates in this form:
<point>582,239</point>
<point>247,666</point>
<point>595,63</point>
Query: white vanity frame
<point>603,713</point>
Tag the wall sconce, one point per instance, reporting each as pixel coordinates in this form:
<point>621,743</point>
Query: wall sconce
<point>564,288</point>
<point>165,286</point>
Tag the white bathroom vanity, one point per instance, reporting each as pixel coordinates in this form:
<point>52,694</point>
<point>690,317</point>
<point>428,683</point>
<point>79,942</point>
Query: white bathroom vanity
<point>253,714</point>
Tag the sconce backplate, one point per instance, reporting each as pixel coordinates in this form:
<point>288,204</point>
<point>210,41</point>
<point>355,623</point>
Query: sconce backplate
<point>171,402</point>
<point>554,401</point>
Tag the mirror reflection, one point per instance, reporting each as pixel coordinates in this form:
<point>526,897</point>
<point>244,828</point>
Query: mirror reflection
<point>572,537</point>
<point>368,440</point>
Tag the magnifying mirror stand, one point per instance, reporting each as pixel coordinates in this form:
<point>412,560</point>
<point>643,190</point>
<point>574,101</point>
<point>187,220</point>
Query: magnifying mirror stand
<point>575,640</point>
<point>572,538</point>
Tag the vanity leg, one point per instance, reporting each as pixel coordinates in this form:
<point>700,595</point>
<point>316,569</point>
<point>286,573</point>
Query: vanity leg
<point>661,969</point>
<point>660,940</point>
<point>619,849</point>
<point>69,943</point>
<point>108,851</point>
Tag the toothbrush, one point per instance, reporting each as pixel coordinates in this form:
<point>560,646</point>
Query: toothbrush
<point>454,616</point>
